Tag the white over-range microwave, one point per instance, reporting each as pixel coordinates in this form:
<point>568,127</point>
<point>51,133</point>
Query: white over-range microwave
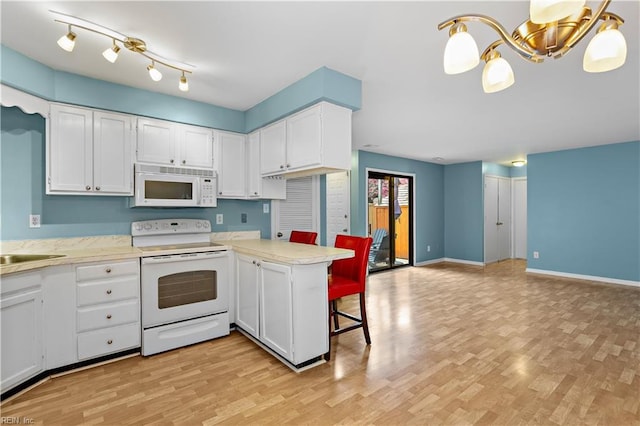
<point>164,186</point>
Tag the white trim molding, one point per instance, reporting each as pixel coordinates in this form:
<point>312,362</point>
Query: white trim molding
<point>584,277</point>
<point>430,262</point>
<point>466,262</point>
<point>10,97</point>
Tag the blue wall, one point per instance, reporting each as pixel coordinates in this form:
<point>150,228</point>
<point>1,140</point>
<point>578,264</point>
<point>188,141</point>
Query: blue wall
<point>429,218</point>
<point>464,212</point>
<point>584,211</point>
<point>23,146</point>
<point>22,156</point>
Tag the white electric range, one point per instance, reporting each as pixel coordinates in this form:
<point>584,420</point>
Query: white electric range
<point>184,280</point>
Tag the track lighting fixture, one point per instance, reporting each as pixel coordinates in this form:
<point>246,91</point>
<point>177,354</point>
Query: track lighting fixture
<point>67,42</point>
<point>154,73</point>
<point>111,54</point>
<point>553,29</point>
<point>183,84</point>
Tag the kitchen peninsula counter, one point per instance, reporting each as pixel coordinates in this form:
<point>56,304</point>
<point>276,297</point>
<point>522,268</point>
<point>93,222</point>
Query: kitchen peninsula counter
<point>286,252</point>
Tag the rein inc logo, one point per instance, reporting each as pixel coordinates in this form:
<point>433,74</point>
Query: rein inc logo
<point>16,420</point>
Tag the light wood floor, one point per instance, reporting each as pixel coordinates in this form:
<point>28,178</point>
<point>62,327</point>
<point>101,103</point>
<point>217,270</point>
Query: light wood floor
<point>452,345</point>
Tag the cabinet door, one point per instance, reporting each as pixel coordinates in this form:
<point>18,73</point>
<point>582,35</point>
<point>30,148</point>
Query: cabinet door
<point>70,153</point>
<point>254,177</point>
<point>156,142</point>
<point>21,318</point>
<point>231,181</point>
<point>273,146</point>
<point>304,138</point>
<point>112,159</point>
<point>196,146</point>
<point>59,313</point>
<point>276,308</point>
<point>247,295</point>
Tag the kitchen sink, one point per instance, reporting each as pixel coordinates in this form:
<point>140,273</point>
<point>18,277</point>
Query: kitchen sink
<point>10,259</point>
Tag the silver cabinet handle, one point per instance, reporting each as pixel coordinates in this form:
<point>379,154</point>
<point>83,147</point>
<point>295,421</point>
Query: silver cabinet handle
<point>281,166</point>
<point>108,270</point>
<point>109,342</point>
<point>88,188</point>
<point>171,161</point>
<point>109,316</point>
<point>97,188</point>
<point>108,291</point>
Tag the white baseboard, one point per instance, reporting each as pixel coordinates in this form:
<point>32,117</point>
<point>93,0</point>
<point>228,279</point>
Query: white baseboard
<point>430,262</point>
<point>466,262</point>
<point>584,277</point>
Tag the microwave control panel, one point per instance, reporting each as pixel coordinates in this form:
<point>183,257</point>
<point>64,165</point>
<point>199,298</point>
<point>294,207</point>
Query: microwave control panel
<point>208,192</point>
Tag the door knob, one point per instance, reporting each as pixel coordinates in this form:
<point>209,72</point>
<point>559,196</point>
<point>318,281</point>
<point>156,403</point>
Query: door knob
<point>279,235</point>
<point>345,230</point>
<point>499,223</point>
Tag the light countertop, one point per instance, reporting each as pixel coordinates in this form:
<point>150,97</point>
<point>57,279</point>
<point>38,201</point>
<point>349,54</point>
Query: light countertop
<point>286,252</point>
<point>113,248</point>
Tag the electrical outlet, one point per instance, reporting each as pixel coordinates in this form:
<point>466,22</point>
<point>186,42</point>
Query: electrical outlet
<point>219,219</point>
<point>34,221</point>
<point>265,208</point>
<point>243,218</point>
<point>536,255</point>
<point>428,248</point>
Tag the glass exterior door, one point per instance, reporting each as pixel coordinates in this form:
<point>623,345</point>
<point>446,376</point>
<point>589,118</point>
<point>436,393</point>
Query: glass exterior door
<point>390,220</point>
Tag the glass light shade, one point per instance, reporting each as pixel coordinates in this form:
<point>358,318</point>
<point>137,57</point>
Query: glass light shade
<point>497,75</point>
<point>460,53</point>
<point>184,84</point>
<point>605,52</point>
<point>545,11</point>
<point>154,73</point>
<point>518,163</point>
<point>111,54</point>
<point>67,41</point>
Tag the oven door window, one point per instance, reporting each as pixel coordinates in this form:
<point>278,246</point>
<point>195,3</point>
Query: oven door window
<point>185,288</point>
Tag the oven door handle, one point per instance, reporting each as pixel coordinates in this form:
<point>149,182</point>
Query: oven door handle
<point>184,257</point>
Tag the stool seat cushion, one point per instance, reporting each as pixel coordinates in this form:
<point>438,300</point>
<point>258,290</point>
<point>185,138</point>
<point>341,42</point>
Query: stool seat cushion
<point>340,286</point>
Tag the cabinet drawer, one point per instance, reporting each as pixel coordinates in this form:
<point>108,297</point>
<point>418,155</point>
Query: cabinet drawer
<point>108,291</point>
<point>92,344</point>
<point>106,270</point>
<point>108,315</point>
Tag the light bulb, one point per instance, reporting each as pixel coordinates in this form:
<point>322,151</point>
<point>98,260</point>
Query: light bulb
<point>111,54</point>
<point>184,84</point>
<point>154,73</point>
<point>461,51</point>
<point>606,51</point>
<point>497,74</point>
<point>546,11</point>
<point>67,41</point>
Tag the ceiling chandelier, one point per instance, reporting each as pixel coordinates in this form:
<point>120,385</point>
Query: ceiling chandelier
<point>553,29</point>
<point>67,42</point>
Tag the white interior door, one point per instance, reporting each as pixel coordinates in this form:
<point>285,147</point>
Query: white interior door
<point>338,205</point>
<point>300,210</point>
<point>491,253</point>
<point>504,219</point>
<point>520,218</point>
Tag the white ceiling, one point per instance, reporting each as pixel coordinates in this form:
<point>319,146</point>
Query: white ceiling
<point>245,52</point>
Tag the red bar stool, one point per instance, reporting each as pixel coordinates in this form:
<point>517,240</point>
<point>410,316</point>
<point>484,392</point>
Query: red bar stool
<point>303,237</point>
<point>348,276</point>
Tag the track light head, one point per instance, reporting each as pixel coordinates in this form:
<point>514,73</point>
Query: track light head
<point>183,85</point>
<point>67,41</point>
<point>154,73</point>
<point>111,54</point>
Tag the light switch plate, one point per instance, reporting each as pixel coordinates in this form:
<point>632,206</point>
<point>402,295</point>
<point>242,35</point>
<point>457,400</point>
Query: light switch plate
<point>34,221</point>
<point>265,208</point>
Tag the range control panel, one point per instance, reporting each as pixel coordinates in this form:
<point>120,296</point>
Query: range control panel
<point>170,227</point>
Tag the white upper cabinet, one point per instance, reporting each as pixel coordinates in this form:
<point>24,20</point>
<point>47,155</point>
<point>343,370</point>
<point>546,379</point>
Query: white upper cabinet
<point>273,148</point>
<point>174,144</point>
<point>231,169</point>
<point>89,152</point>
<point>196,146</point>
<point>313,141</point>
<point>257,186</point>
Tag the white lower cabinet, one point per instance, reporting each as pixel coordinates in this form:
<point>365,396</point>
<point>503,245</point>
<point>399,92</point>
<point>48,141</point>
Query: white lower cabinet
<point>108,308</point>
<point>59,295</point>
<point>21,319</point>
<point>284,307</point>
